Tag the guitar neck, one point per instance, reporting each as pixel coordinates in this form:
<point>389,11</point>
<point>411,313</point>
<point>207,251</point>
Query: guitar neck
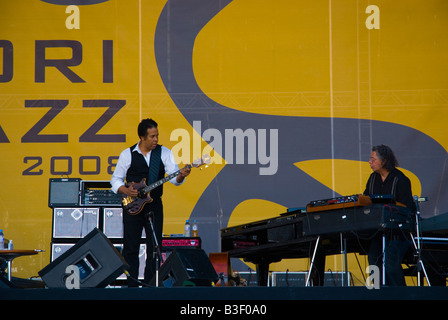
<point>163,180</point>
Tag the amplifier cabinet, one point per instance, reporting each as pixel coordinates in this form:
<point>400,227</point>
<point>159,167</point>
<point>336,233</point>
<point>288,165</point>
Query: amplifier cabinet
<point>171,243</point>
<point>74,222</point>
<point>64,192</point>
<point>57,249</point>
<point>113,223</point>
<point>98,193</point>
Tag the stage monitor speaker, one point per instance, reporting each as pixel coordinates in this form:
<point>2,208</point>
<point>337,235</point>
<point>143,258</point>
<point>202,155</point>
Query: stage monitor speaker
<point>98,261</point>
<point>186,267</point>
<point>64,192</point>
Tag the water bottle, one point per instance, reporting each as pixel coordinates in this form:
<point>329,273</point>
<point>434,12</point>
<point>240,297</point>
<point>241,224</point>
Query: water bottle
<point>2,240</point>
<point>187,229</point>
<point>195,232</point>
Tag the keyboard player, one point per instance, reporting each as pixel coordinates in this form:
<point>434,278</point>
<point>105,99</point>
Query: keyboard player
<point>386,179</point>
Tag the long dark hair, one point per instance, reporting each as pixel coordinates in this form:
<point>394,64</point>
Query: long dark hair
<point>387,155</point>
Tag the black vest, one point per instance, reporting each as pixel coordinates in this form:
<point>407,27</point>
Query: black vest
<point>139,170</point>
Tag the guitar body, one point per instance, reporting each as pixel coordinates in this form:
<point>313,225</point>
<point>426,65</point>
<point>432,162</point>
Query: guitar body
<point>134,205</point>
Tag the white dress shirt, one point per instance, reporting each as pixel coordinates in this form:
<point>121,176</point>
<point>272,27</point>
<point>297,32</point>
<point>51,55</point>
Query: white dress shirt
<point>124,162</point>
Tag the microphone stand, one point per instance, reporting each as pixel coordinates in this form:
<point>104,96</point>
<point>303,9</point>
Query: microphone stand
<point>157,254</point>
<point>420,265</point>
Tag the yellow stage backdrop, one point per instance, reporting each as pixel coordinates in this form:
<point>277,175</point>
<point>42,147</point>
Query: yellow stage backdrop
<point>324,79</point>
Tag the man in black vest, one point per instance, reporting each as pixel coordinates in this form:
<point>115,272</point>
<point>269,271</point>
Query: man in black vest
<point>146,159</point>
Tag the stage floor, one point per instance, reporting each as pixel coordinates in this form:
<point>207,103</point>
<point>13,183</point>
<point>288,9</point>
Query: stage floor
<point>229,293</point>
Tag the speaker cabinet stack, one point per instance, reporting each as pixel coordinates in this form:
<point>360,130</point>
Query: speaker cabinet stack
<point>85,215</point>
<point>83,208</point>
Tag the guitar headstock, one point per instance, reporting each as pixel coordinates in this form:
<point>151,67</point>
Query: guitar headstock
<point>205,160</point>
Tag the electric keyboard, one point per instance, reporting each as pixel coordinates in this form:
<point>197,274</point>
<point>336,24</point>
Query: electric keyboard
<point>290,235</point>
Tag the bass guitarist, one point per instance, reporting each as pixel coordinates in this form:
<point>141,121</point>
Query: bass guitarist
<point>151,161</point>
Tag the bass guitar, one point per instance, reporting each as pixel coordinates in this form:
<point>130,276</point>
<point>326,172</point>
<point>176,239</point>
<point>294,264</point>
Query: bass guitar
<point>133,205</point>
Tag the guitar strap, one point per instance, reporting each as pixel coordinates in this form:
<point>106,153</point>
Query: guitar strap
<point>154,164</point>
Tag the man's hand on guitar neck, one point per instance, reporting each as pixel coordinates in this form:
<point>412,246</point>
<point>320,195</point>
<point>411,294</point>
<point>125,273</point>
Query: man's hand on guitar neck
<point>184,172</point>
